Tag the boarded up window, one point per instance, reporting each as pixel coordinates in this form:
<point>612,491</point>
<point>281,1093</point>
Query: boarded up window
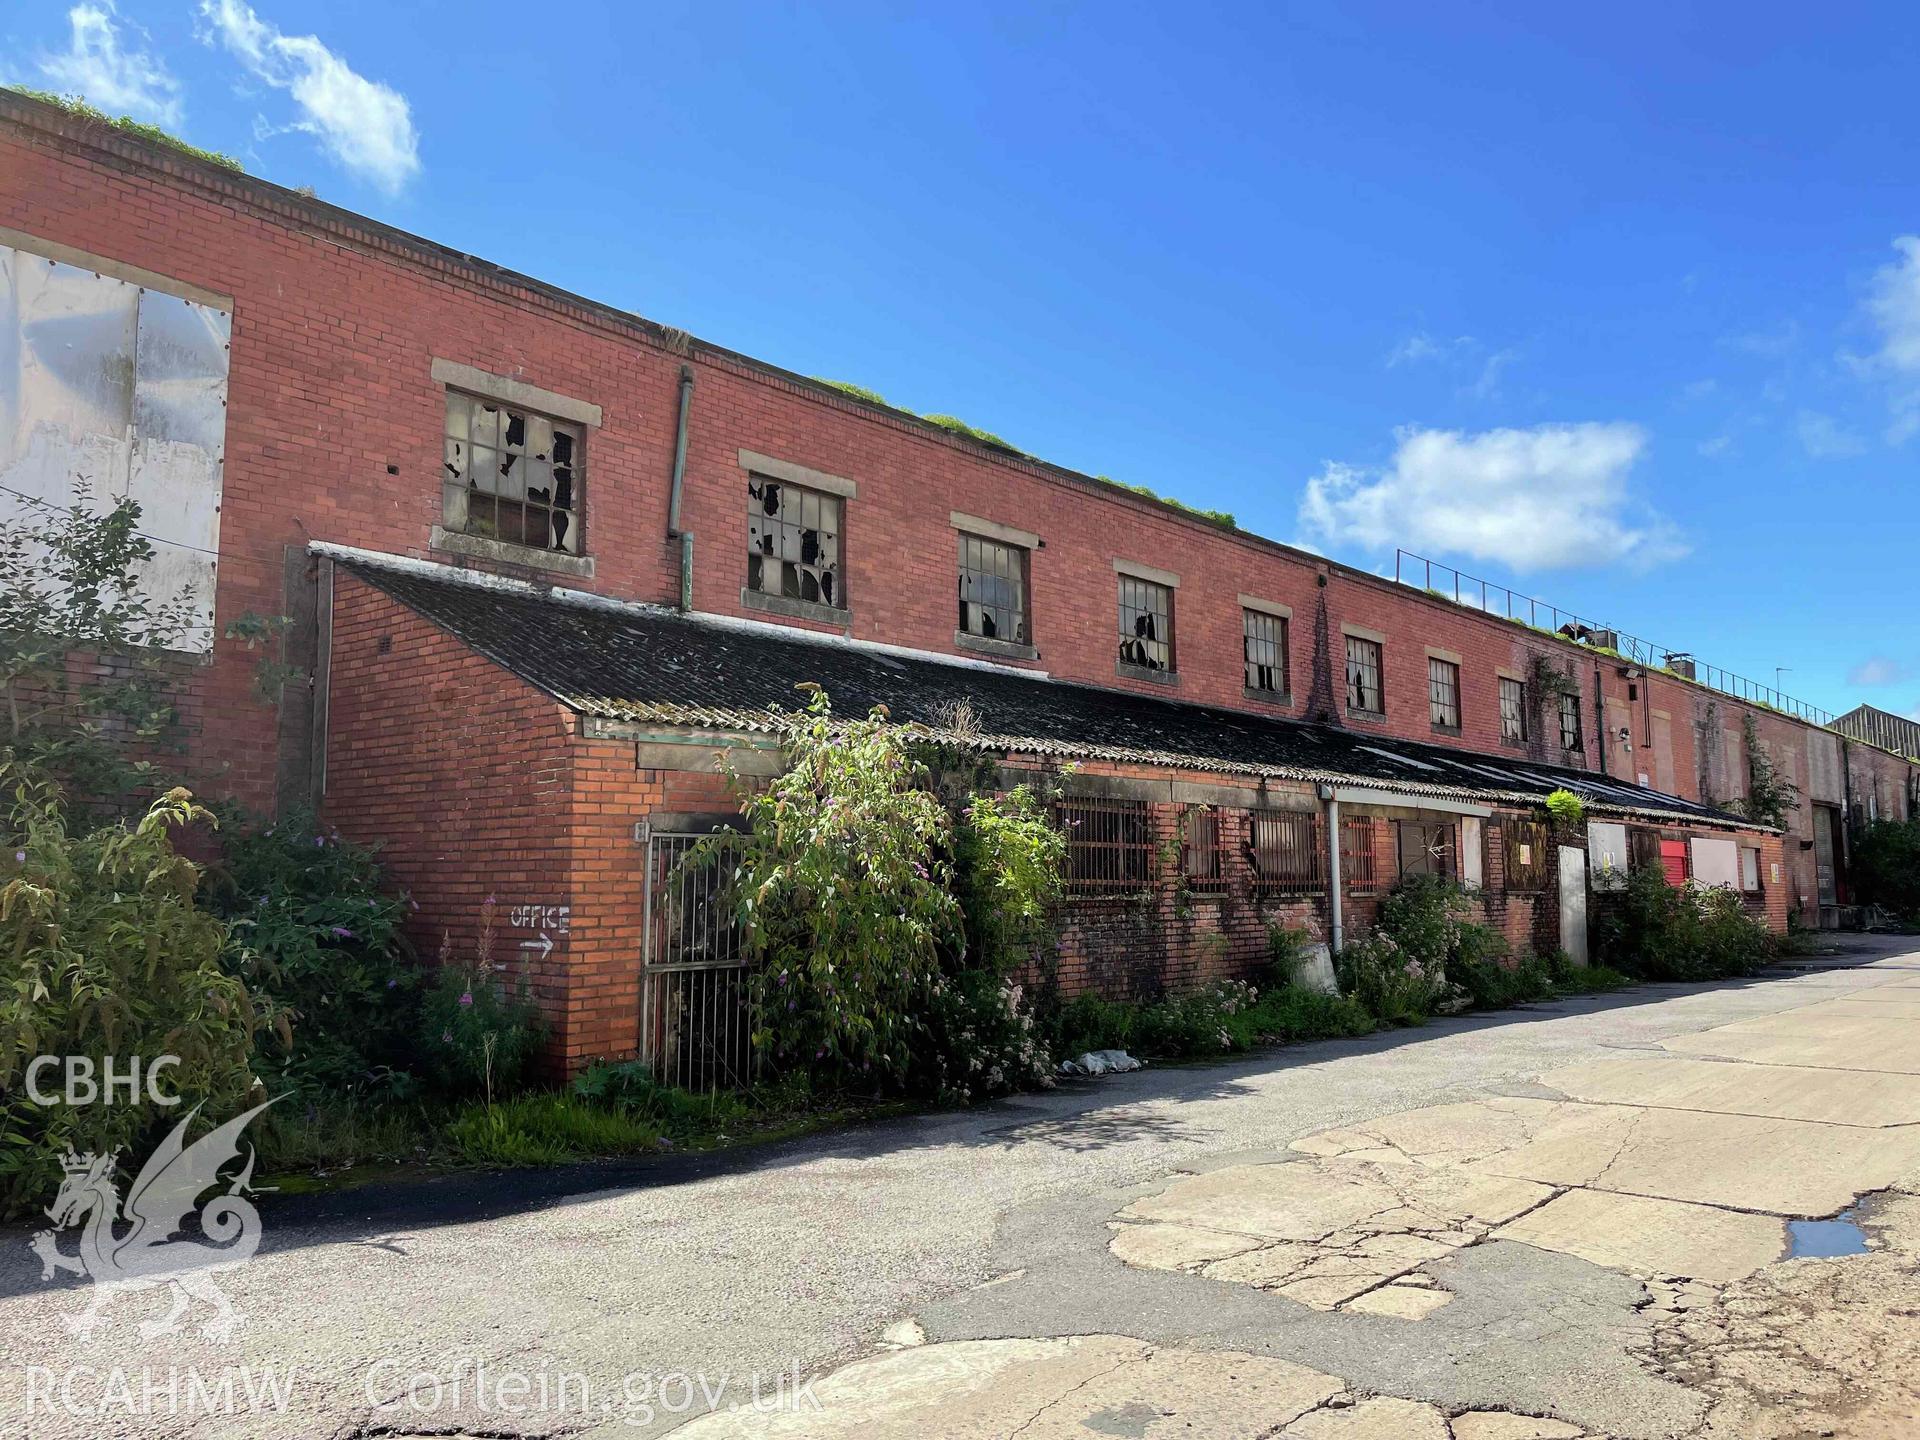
<point>1715,861</point>
<point>1607,854</point>
<point>1673,861</point>
<point>1526,844</point>
<point>112,390</point>
<point>1749,869</point>
<point>1109,847</point>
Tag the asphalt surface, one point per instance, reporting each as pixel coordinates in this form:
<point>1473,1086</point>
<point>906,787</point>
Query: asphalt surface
<point>626,1299</point>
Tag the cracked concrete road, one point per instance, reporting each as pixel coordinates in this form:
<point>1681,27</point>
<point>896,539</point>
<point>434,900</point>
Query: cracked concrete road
<point>1568,1220</point>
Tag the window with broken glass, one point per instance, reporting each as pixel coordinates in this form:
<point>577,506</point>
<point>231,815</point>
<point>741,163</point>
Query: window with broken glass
<point>1146,624</point>
<point>1570,722</point>
<point>1443,693</point>
<point>1363,676</point>
<point>993,589</point>
<point>511,475</point>
<point>1264,641</point>
<point>1426,847</point>
<point>1513,711</point>
<point>793,542</point>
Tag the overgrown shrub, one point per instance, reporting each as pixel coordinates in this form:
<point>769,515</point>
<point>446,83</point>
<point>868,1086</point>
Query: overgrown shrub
<point>311,926</point>
<point>1656,931</point>
<point>1388,981</point>
<point>103,952</point>
<point>844,896</point>
<point>479,1027</point>
<point>631,1088</point>
<point>1886,866</point>
<point>977,1040</point>
<point>1426,917</point>
<point>1009,857</point>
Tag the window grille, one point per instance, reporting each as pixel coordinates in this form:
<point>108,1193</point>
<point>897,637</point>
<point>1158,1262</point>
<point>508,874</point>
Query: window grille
<point>1109,846</point>
<point>1358,870</point>
<point>1288,852</point>
<point>1202,857</point>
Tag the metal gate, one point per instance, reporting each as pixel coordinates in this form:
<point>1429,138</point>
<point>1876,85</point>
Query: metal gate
<point>696,1015</point>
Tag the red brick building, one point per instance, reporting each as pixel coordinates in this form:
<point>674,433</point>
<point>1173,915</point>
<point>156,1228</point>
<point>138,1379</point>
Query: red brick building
<point>462,485</point>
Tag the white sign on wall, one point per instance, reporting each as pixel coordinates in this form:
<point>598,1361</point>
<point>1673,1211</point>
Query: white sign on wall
<point>110,389</point>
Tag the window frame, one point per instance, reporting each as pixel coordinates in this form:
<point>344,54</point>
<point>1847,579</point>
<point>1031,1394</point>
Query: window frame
<point>1379,667</point>
<point>572,474</point>
<point>1570,712</point>
<point>1359,856</point>
<point>1448,868</point>
<point>1203,850</point>
<point>1528,877</point>
<point>1442,672</point>
<point>1280,667</point>
<point>1518,732</point>
<point>1145,590</point>
<point>800,605</point>
<point>1759,884</point>
<point>1022,557</point>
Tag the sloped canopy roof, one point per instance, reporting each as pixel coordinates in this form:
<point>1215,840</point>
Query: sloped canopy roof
<point>650,665</point>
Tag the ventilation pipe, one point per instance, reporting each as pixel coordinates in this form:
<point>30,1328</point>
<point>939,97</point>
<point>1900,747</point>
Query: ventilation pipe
<point>674,532</point>
<point>1331,799</point>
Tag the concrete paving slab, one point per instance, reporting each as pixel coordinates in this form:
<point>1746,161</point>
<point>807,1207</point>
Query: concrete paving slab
<point>1645,1236</point>
<point>1378,1419</point>
<point>1400,1302</point>
<point>1832,1040</point>
<point>1504,1425</point>
<point>1786,1092</point>
<point>1041,1389</point>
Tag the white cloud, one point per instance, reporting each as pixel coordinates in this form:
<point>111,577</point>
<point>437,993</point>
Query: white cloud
<point>98,66</point>
<point>1893,303</point>
<point>1825,438</point>
<point>1877,670</point>
<point>1539,498</point>
<point>1422,346</point>
<point>1715,447</point>
<point>364,125</point>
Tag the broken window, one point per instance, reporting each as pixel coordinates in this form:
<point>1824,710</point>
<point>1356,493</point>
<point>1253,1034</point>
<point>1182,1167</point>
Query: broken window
<point>1513,711</point>
<point>1570,722</point>
<point>1363,676</point>
<point>511,475</point>
<point>993,589</point>
<point>793,542</point>
<point>1264,642</point>
<point>1426,847</point>
<point>1443,693</point>
<point>1146,624</point>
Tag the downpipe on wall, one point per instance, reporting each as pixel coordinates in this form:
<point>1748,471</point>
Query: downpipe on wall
<point>674,532</point>
<point>1331,799</point>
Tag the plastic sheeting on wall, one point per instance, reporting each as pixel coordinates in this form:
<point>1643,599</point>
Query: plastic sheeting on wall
<point>1716,862</point>
<point>1607,854</point>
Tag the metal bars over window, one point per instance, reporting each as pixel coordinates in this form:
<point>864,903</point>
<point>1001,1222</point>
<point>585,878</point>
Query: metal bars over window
<point>1358,870</point>
<point>1146,624</point>
<point>1287,852</point>
<point>510,475</point>
<point>793,542</point>
<point>1525,844</point>
<point>1363,676</point>
<point>1443,693</point>
<point>1264,642</point>
<point>1109,846</point>
<point>993,589</point>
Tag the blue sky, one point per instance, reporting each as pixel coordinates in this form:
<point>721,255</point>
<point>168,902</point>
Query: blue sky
<point>1621,306</point>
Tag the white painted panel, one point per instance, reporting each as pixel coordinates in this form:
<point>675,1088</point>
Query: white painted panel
<point>1607,854</point>
<point>1716,862</point>
<point>1573,903</point>
<point>108,390</point>
<point>1823,767</point>
<point>1750,869</point>
<point>1472,852</point>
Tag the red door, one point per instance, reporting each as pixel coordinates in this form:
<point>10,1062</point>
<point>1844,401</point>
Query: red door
<point>1673,860</point>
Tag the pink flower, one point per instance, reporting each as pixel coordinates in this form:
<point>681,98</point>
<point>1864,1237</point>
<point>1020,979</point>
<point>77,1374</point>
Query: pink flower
<point>467,999</point>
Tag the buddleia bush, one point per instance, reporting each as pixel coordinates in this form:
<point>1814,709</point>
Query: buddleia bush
<point>104,953</point>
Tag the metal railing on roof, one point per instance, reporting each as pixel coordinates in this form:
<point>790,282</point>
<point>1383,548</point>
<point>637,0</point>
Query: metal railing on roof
<point>1470,590</point>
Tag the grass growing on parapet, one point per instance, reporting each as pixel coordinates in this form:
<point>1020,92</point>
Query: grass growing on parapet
<point>1219,517</point>
<point>127,125</point>
<point>952,424</point>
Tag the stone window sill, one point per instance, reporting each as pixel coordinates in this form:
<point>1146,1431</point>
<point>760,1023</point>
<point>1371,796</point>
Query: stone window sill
<point>1449,730</point>
<point>988,645</point>
<point>1370,717</point>
<point>1141,672</point>
<point>1281,698</point>
<point>454,542</point>
<point>796,609</point>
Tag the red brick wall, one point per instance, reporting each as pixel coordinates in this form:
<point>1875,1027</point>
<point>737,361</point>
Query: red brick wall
<point>336,323</point>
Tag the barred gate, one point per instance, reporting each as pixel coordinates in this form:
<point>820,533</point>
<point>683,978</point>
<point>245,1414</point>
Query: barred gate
<point>696,1015</point>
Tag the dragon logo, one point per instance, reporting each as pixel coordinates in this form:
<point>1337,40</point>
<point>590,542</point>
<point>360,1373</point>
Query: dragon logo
<point>145,1255</point>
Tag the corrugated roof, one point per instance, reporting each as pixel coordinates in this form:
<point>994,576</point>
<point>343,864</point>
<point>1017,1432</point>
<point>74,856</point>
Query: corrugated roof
<point>653,666</point>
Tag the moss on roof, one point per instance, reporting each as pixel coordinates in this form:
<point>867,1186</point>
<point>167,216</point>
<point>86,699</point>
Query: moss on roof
<point>76,106</point>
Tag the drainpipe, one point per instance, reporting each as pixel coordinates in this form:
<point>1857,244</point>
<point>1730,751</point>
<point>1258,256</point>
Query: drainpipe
<point>1331,798</point>
<point>1599,718</point>
<point>674,532</point>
